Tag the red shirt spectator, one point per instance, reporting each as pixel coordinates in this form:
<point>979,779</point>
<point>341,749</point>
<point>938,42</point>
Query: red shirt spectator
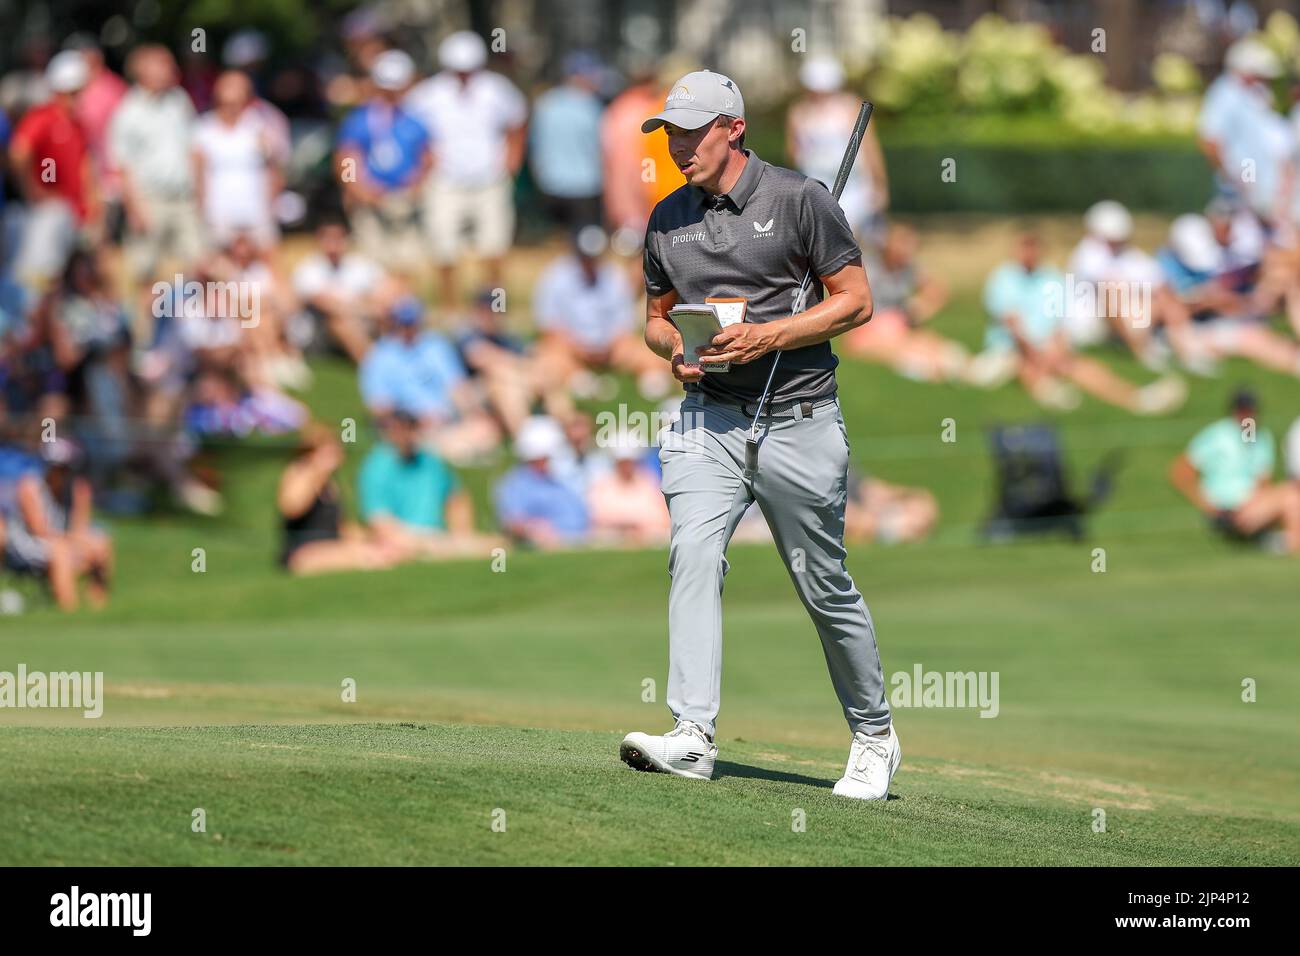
<point>55,147</point>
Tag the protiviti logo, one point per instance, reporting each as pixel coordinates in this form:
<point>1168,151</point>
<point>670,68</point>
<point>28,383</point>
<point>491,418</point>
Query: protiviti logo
<point>688,237</point>
<point>103,909</point>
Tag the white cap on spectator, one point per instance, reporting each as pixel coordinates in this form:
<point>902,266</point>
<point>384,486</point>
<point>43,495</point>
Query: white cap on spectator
<point>393,70</point>
<point>627,448</point>
<point>539,437</point>
<point>1192,239</point>
<point>1109,220</point>
<point>1250,57</point>
<point>821,74</point>
<point>67,72</point>
<point>463,51</point>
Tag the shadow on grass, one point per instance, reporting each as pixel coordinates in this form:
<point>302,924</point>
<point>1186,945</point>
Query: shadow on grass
<point>726,769</point>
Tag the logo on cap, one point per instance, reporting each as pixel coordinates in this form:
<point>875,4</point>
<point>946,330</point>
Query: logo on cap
<point>681,93</point>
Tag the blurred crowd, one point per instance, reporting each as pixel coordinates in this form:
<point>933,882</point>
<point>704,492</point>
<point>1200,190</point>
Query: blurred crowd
<point>151,309</point>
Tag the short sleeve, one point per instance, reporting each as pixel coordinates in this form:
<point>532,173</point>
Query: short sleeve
<point>997,301</point>
<point>1203,448</point>
<point>1267,456</point>
<point>547,305</point>
<point>825,231</point>
<point>514,108</point>
<point>656,277</point>
<point>352,129</point>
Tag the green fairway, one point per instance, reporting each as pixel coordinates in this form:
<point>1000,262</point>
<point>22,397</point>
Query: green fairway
<point>477,690</point>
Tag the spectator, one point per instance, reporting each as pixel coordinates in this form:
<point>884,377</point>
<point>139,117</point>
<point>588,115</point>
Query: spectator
<point>344,292</point>
<point>1227,472</point>
<point>626,504</point>
<point>1293,451</point>
<point>268,357</point>
<point>1227,315</point>
<point>96,105</point>
<point>150,138</point>
<point>1129,297</point>
<point>49,532</point>
<point>382,160</point>
<point>565,146</point>
<point>512,379</point>
<point>581,462</point>
<point>1026,301</point>
<point>817,126</point>
<point>533,504</point>
<point>311,514</point>
<point>1238,125</point>
<point>586,314</point>
<point>236,177</point>
<point>904,299</point>
<point>412,501</point>
<point>888,513</point>
<point>418,372</point>
<point>477,120</point>
<point>51,162</point>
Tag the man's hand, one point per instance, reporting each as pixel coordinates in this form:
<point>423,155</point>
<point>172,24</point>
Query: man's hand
<point>684,372</point>
<point>741,343</point>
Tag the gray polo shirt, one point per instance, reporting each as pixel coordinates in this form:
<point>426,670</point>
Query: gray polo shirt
<point>755,242</point>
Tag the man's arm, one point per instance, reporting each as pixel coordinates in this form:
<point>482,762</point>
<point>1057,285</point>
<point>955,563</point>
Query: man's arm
<point>846,306</point>
<point>665,341</point>
<point>1184,476</point>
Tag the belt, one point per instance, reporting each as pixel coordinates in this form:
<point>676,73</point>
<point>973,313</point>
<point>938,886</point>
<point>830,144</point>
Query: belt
<point>796,410</point>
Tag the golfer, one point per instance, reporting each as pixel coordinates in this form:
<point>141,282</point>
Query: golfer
<point>741,228</point>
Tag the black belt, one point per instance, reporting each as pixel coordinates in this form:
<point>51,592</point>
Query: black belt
<point>803,409</point>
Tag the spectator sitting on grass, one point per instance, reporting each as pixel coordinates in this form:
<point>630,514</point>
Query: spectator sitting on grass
<point>888,513</point>
<point>1025,299</point>
<point>48,531</point>
<point>905,299</point>
<point>417,371</point>
<point>626,504</point>
<point>533,504</point>
<point>316,539</point>
<point>1227,307</point>
<point>412,500</point>
<point>586,314</point>
<point>341,292</point>
<point>1227,473</point>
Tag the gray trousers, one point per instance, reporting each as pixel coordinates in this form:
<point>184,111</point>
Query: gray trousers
<point>801,485</point>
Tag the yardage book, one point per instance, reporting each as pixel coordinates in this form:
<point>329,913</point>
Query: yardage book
<point>700,321</point>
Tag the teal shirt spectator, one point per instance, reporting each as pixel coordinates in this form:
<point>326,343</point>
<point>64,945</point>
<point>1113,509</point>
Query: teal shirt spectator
<point>1230,467</point>
<point>413,490</point>
<point>1037,298</point>
<point>565,147</point>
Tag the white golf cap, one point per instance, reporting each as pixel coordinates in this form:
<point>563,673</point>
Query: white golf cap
<point>67,72</point>
<point>463,51</point>
<point>392,70</point>
<point>627,448</point>
<point>1192,239</point>
<point>698,98</point>
<point>821,74</point>
<point>1109,220</point>
<point>539,437</point>
<point>1251,57</point>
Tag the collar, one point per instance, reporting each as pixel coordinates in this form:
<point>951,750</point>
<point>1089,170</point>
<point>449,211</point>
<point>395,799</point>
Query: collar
<point>740,193</point>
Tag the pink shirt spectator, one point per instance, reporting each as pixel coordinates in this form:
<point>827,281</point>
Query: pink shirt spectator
<point>628,501</point>
<point>96,104</point>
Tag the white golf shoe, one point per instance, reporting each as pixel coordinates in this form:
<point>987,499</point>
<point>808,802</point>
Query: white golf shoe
<point>871,766</point>
<point>685,751</point>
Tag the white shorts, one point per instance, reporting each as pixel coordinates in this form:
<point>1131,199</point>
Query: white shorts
<point>486,213</point>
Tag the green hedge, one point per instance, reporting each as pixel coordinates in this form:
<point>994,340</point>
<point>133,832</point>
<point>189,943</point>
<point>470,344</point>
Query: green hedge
<point>1030,178</point>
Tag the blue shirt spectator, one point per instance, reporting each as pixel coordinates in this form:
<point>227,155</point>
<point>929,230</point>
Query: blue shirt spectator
<point>391,141</point>
<point>412,488</point>
<point>565,145</point>
<point>411,370</point>
<point>534,503</point>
